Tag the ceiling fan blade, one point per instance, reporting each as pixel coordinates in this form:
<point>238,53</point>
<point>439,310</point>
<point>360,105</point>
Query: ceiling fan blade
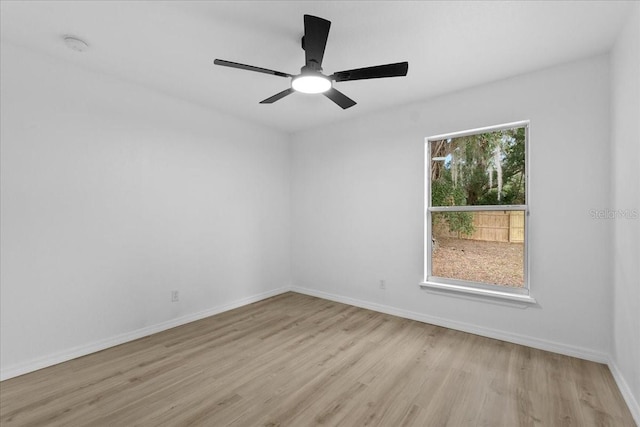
<point>339,98</point>
<point>277,96</point>
<point>389,70</point>
<point>249,68</point>
<point>316,33</point>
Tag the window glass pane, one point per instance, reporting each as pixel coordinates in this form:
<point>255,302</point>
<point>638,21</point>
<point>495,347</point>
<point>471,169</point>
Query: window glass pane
<point>482,169</point>
<point>479,246</point>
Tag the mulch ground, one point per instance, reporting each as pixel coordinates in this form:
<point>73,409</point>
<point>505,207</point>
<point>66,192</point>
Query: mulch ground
<point>488,262</point>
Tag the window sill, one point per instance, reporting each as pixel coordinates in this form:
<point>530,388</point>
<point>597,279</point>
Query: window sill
<point>490,294</point>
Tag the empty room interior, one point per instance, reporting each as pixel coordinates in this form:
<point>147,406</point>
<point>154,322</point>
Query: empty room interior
<point>290,213</point>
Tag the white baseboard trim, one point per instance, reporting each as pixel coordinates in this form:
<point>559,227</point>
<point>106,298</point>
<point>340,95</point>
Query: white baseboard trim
<point>625,390</point>
<point>540,344</point>
<point>83,350</point>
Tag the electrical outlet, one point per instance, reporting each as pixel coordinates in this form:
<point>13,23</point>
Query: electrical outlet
<point>383,284</point>
<point>175,296</point>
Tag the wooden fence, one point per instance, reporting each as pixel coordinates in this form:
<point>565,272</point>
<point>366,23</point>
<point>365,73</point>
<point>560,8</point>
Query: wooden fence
<point>490,226</point>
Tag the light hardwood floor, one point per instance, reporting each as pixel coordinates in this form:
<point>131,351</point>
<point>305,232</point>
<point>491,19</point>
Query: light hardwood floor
<point>296,360</point>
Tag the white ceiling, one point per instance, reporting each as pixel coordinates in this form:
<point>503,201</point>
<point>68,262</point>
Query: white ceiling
<point>169,46</point>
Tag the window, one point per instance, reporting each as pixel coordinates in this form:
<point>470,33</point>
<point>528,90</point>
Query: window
<point>476,220</point>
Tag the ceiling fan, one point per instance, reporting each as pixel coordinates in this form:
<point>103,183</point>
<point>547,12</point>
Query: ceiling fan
<point>311,79</point>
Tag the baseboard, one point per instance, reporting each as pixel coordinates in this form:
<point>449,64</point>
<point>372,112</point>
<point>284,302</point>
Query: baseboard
<point>625,390</point>
<point>546,345</point>
<point>73,353</point>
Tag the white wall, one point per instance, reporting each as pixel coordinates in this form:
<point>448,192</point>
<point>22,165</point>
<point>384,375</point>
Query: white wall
<point>625,166</point>
<point>357,208</point>
<point>114,195</point>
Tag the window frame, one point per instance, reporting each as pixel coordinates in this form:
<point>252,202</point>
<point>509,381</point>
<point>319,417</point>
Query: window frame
<point>481,289</point>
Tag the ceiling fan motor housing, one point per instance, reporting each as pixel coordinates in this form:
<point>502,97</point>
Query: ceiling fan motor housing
<point>311,68</point>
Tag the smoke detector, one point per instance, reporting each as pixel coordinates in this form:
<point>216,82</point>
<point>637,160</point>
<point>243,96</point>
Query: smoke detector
<point>75,43</point>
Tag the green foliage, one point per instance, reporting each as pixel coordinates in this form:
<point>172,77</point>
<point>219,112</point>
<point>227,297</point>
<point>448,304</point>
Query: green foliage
<point>510,195</point>
<point>514,168</point>
<point>460,221</point>
<point>444,193</point>
<point>482,169</point>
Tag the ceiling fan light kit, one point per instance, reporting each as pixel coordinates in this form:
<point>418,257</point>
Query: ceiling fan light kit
<point>311,83</point>
<point>311,80</point>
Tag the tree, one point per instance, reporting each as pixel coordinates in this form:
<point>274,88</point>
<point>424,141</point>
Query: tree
<point>481,169</point>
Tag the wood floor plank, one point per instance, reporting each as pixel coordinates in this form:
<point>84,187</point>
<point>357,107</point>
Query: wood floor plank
<point>295,360</point>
